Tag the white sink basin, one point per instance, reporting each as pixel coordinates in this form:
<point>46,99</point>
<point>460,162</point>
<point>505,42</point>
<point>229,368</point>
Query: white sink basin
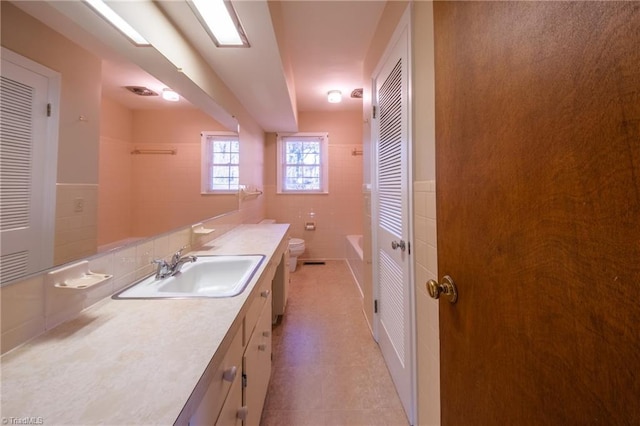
<point>209,276</point>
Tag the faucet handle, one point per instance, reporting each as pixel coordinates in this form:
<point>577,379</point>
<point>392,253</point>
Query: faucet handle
<point>177,255</point>
<point>162,269</point>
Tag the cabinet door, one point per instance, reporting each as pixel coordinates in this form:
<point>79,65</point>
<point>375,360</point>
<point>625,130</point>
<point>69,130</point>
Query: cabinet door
<point>226,375</point>
<point>280,286</point>
<point>257,366</point>
<point>258,303</point>
<point>232,411</point>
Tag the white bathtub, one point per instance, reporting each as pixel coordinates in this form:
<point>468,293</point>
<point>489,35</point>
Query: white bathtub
<point>355,259</point>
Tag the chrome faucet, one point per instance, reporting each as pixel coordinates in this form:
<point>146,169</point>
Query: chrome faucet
<point>169,269</point>
<point>175,267</point>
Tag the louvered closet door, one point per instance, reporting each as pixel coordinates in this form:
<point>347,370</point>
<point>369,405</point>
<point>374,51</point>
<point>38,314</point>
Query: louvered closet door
<point>23,101</point>
<point>392,265</point>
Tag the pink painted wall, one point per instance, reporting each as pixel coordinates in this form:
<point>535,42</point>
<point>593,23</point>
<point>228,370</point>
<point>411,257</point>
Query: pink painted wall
<point>338,213</point>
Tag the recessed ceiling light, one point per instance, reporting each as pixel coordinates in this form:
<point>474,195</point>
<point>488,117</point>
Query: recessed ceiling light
<point>114,19</point>
<point>334,96</point>
<point>221,22</point>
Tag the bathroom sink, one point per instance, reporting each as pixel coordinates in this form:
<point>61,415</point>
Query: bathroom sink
<point>208,276</point>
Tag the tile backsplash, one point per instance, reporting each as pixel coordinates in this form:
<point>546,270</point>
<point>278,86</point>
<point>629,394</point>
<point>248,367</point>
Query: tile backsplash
<point>32,306</point>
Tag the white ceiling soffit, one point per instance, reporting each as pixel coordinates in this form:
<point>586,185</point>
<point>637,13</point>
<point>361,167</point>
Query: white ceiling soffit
<point>255,74</point>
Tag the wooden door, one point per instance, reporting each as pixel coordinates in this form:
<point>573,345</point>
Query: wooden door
<point>538,207</point>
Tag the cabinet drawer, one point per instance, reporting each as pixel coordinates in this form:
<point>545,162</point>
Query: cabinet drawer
<point>256,307</point>
<point>222,381</point>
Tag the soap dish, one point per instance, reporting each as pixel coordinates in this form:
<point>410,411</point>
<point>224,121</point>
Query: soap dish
<point>87,280</point>
<point>199,229</point>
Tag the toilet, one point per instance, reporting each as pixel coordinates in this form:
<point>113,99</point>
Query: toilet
<point>296,247</point>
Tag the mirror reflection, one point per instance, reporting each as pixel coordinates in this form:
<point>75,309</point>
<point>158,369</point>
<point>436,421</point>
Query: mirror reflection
<point>149,174</point>
<point>126,167</point>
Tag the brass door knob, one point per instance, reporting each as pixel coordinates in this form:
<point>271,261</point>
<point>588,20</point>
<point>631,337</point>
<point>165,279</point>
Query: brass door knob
<point>448,288</point>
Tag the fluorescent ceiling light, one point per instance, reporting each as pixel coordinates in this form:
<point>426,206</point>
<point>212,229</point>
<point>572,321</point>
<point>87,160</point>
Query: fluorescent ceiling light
<point>114,19</point>
<point>334,96</point>
<point>170,95</point>
<point>221,22</point>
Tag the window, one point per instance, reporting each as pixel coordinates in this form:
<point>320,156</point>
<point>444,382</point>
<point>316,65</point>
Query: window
<point>220,162</point>
<point>303,163</point>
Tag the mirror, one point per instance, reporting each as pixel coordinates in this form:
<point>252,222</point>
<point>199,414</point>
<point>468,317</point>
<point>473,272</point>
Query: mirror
<point>124,170</point>
<point>149,172</point>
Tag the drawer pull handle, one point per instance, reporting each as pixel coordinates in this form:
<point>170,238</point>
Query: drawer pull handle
<point>265,293</point>
<point>243,412</point>
<point>262,347</point>
<point>266,333</point>
<point>229,374</point>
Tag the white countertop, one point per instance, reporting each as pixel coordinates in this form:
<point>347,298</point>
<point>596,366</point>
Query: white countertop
<point>127,362</point>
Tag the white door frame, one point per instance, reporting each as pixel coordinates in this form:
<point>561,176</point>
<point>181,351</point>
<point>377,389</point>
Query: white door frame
<point>404,24</point>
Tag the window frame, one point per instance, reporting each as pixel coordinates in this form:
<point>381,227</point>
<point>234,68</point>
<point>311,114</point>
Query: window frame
<point>207,139</point>
<point>324,162</point>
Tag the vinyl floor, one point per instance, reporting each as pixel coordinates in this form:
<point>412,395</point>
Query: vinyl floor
<point>327,369</point>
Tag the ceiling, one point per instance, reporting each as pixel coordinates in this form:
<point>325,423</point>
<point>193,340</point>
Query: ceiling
<point>327,42</point>
<point>322,42</point>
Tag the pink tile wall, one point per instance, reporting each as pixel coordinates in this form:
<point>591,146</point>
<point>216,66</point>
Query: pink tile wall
<point>336,214</point>
<point>166,188</point>
<point>114,196</point>
<point>76,228</point>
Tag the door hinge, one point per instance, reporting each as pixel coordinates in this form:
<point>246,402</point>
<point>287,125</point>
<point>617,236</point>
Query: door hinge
<point>409,247</point>
<point>244,380</point>
<point>375,306</point>
<point>48,110</point>
<point>374,111</point>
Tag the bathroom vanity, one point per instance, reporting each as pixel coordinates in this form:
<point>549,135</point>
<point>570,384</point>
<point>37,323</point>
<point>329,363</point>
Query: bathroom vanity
<point>197,361</point>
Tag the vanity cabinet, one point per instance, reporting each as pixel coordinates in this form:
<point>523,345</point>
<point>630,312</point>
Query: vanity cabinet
<point>257,366</point>
<point>236,394</point>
